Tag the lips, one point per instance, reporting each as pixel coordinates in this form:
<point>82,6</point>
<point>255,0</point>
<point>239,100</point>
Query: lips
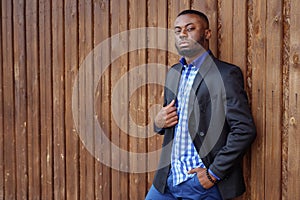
<point>183,44</point>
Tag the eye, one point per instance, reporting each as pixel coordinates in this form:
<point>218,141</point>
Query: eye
<point>177,31</point>
<point>190,29</point>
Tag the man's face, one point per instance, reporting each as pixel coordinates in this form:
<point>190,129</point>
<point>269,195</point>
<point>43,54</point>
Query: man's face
<point>191,35</point>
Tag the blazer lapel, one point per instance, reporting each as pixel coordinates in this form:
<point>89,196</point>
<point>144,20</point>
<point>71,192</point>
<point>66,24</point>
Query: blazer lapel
<point>204,68</point>
<point>173,80</point>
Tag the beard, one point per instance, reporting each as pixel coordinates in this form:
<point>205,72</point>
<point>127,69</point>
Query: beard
<point>188,52</point>
<point>192,49</point>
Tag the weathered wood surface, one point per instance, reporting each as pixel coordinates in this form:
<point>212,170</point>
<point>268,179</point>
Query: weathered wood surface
<point>44,154</point>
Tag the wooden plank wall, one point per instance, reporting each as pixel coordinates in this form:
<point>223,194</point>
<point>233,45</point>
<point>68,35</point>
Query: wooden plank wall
<point>43,46</point>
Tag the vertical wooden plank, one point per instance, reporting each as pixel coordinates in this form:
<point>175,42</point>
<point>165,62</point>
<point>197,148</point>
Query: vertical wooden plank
<point>46,97</point>
<point>285,101</point>
<point>156,17</point>
<point>273,100</point>
<point>71,70</point>
<point>119,23</point>
<point>239,34</point>
<point>174,8</point>
<point>137,105</point>
<point>209,7</point>
<point>258,62</point>
<point>250,51</point>
<point>101,33</point>
<point>294,113</point>
<point>1,110</point>
<point>20,99</point>
<point>86,90</point>
<point>225,27</point>
<point>33,127</point>
<point>58,77</point>
<point>239,58</point>
<point>249,78</point>
<point>8,103</point>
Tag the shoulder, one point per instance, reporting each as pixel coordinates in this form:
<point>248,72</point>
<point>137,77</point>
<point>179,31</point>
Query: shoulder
<point>231,74</point>
<point>174,69</point>
<point>226,66</point>
<point>228,70</point>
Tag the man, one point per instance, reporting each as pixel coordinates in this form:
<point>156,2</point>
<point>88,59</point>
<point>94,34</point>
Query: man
<point>206,121</point>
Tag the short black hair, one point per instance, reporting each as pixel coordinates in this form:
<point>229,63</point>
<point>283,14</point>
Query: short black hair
<point>196,12</point>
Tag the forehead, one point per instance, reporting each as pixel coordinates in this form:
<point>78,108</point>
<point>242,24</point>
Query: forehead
<point>186,19</point>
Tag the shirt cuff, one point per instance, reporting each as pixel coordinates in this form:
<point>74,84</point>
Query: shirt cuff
<point>213,174</point>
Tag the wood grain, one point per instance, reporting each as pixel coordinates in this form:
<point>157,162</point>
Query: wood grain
<point>43,44</point>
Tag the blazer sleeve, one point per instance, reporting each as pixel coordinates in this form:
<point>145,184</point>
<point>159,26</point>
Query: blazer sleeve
<point>239,119</point>
<point>158,130</point>
<point>170,89</point>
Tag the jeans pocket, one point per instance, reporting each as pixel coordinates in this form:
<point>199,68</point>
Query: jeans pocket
<point>197,183</point>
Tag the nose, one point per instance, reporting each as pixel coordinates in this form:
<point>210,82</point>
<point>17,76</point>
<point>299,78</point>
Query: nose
<point>183,33</point>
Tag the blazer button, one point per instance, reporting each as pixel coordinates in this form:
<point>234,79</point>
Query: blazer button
<point>201,134</point>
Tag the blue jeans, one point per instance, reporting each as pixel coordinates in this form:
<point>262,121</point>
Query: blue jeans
<point>190,189</point>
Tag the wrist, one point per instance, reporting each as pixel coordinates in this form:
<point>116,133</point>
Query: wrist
<point>158,124</point>
<point>212,174</point>
<point>211,178</point>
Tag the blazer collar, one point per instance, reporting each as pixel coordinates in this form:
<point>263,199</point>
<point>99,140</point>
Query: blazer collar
<point>177,69</point>
<point>173,79</point>
<point>204,69</point>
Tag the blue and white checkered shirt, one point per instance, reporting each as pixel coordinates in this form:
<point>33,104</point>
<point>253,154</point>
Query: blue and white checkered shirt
<point>184,155</point>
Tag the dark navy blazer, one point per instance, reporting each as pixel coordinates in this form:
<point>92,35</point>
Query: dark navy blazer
<point>220,123</point>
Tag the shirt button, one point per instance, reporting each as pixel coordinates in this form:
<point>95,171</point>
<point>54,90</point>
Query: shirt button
<point>201,133</point>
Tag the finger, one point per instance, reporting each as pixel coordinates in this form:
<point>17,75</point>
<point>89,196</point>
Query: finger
<point>171,104</point>
<point>171,109</point>
<point>201,172</point>
<point>172,115</point>
<point>172,121</point>
<point>192,171</point>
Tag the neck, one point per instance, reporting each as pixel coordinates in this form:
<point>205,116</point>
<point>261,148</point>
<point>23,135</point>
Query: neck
<point>190,59</point>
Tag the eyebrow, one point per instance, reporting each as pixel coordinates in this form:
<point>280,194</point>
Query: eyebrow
<point>184,25</point>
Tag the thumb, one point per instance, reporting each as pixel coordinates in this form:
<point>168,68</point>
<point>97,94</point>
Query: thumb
<point>172,103</point>
<point>192,171</point>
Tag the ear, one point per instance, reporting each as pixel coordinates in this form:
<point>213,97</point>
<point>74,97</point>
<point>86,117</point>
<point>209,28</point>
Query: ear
<point>207,34</point>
